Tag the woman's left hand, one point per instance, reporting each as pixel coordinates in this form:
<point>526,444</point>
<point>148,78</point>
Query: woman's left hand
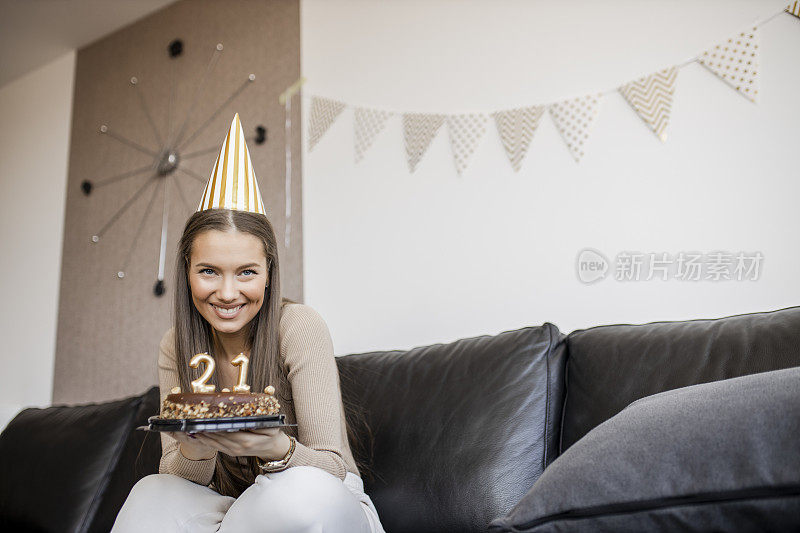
<point>267,443</point>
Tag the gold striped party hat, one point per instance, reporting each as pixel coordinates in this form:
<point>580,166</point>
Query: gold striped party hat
<point>233,182</point>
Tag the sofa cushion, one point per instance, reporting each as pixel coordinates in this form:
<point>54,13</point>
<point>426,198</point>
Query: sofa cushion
<point>719,456</point>
<point>139,457</point>
<point>611,366</point>
<point>457,432</point>
<point>56,464</point>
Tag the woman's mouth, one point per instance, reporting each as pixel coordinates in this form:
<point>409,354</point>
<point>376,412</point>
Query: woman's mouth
<point>227,313</point>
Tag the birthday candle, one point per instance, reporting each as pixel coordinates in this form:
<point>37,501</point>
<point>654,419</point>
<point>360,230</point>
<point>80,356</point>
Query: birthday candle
<point>241,361</point>
<point>200,385</point>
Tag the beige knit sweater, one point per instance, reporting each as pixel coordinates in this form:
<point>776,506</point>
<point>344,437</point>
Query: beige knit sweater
<point>307,351</point>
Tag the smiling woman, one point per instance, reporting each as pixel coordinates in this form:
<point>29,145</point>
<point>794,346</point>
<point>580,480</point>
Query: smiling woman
<point>228,281</point>
<point>227,302</point>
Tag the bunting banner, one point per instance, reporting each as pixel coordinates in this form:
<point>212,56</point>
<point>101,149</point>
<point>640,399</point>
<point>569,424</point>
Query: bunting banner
<point>419,129</point>
<point>651,97</point>
<point>735,61</point>
<point>516,128</point>
<point>323,113</point>
<point>574,118</point>
<point>465,132</point>
<point>368,124</point>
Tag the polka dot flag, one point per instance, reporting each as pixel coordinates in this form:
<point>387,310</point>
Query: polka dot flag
<point>465,133</point>
<point>573,119</point>
<point>735,62</point>
<point>368,124</point>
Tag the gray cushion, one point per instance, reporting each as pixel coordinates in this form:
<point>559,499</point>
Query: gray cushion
<point>721,456</point>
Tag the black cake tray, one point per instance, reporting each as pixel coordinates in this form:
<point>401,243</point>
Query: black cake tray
<point>227,423</point>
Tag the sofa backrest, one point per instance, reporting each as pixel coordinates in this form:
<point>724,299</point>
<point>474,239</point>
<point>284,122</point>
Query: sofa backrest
<point>70,468</point>
<point>457,433</point>
<point>609,367</point>
<point>139,457</point>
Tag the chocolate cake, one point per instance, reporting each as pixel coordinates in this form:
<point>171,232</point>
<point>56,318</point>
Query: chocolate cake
<point>219,404</point>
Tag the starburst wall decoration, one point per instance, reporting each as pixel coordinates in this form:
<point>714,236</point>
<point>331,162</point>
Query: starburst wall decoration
<point>170,151</point>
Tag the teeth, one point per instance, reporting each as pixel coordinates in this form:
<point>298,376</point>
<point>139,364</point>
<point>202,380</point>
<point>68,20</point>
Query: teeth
<point>230,312</point>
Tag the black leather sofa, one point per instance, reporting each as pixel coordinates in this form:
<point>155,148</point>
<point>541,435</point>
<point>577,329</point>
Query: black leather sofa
<point>482,433</point>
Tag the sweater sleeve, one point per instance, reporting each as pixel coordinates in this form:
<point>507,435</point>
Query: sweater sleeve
<point>307,349</point>
<point>172,460</point>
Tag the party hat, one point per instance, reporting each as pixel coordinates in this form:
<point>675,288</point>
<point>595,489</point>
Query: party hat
<point>233,182</point>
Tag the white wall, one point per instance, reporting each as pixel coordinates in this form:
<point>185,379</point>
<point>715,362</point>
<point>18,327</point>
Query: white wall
<point>34,147</point>
<point>395,260</point>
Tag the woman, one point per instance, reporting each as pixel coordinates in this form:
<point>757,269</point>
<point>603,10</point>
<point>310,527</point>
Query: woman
<point>297,478</point>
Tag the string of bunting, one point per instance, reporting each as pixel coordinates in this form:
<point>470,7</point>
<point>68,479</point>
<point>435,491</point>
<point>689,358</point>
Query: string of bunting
<point>735,61</point>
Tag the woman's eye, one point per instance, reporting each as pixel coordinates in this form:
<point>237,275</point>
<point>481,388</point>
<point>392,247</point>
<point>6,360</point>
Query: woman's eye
<point>248,270</point>
<point>206,270</point>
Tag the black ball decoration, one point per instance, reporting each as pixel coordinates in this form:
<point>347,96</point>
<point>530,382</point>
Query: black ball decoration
<point>175,48</point>
<point>261,134</point>
<point>159,289</point>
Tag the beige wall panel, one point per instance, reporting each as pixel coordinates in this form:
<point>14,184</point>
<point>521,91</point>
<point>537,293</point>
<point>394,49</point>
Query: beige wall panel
<point>109,328</point>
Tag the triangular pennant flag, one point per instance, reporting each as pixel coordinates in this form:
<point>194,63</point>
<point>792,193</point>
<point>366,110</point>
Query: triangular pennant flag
<point>574,118</point>
<point>651,97</point>
<point>233,184</point>
<point>465,132</point>
<point>368,124</point>
<point>419,129</point>
<point>516,128</point>
<point>794,9</point>
<point>323,113</point>
<point>736,62</point>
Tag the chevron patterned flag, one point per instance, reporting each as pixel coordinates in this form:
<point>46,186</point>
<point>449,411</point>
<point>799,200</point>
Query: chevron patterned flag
<point>465,133</point>
<point>419,129</point>
<point>323,113</point>
<point>574,119</point>
<point>516,128</point>
<point>368,124</point>
<point>651,97</point>
<point>736,62</point>
<point>794,9</point>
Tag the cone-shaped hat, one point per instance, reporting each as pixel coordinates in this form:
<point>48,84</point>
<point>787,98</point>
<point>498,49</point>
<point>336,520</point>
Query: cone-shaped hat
<point>233,184</point>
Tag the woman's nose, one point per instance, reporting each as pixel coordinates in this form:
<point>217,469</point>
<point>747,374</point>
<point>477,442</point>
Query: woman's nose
<point>228,291</point>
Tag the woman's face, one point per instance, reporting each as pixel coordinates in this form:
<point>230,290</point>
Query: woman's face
<point>227,277</point>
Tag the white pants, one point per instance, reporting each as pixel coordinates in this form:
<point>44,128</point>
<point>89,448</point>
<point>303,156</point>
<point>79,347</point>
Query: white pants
<point>301,499</point>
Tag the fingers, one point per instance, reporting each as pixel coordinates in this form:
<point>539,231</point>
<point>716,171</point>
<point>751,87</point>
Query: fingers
<point>271,432</point>
<point>228,440</point>
<point>178,436</point>
<point>214,441</point>
<point>235,443</point>
<point>239,442</point>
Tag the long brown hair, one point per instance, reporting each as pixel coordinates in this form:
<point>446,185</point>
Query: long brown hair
<point>193,334</point>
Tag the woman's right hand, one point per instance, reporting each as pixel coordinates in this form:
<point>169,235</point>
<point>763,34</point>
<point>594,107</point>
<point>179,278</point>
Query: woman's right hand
<point>190,448</point>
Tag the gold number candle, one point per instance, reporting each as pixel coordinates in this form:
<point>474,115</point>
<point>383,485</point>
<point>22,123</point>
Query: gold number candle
<point>241,361</point>
<point>200,385</point>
